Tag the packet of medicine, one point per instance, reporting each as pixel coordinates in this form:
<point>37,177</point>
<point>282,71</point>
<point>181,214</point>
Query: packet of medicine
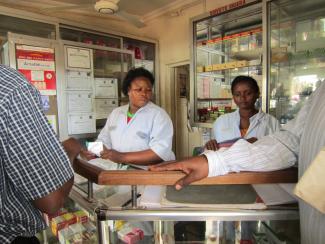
<point>95,147</point>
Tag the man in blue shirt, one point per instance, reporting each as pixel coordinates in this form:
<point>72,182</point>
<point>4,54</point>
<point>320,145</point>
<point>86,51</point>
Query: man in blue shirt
<point>35,172</point>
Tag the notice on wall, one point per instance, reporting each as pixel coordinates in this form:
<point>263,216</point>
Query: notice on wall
<point>81,123</point>
<point>79,101</point>
<point>37,64</point>
<point>78,58</point>
<point>79,80</point>
<point>103,107</point>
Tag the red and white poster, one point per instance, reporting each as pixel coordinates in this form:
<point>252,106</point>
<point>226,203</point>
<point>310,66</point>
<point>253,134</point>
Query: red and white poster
<point>37,64</point>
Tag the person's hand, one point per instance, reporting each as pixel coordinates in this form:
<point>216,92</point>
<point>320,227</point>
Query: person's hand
<point>212,145</point>
<point>252,139</point>
<point>112,155</point>
<point>195,168</point>
<point>88,155</point>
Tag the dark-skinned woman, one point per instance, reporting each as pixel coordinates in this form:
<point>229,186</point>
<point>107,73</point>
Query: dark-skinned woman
<point>247,121</point>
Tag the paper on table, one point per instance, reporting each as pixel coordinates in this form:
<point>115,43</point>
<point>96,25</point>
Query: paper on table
<point>151,197</point>
<point>107,164</point>
<point>273,194</point>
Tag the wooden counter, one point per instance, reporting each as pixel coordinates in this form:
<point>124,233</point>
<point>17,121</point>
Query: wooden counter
<point>141,177</point>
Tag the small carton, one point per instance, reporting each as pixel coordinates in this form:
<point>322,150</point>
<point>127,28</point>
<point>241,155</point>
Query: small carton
<point>208,68</point>
<point>82,216</point>
<point>242,63</point>
<point>200,69</point>
<point>61,222</point>
<point>216,67</point>
<point>48,217</point>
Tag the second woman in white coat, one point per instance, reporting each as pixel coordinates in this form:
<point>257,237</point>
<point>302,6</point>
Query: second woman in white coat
<point>246,122</point>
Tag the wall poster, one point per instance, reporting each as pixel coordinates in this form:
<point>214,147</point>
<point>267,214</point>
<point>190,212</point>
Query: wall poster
<point>37,64</point>
<point>78,58</point>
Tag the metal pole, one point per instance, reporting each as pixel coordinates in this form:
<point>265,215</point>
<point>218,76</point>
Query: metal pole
<point>102,229</point>
<point>134,196</point>
<point>90,191</point>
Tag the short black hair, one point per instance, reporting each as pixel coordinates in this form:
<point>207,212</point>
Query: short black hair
<point>133,74</point>
<point>245,79</point>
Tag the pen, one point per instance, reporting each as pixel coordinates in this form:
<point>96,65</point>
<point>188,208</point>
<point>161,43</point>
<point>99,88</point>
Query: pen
<point>129,201</point>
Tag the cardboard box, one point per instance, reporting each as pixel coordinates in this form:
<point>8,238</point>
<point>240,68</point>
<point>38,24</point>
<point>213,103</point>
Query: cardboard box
<point>61,222</point>
<point>208,68</point>
<point>82,216</point>
<point>200,69</point>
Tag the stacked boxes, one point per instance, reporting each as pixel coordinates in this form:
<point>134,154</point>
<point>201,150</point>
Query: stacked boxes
<point>229,65</point>
<point>78,233</point>
<point>62,221</point>
<point>72,227</point>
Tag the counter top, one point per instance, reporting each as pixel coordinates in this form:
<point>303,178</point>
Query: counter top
<point>142,177</point>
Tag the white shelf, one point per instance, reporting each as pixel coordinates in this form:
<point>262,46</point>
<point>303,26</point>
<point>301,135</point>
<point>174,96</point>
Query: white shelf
<point>211,74</point>
<point>210,50</point>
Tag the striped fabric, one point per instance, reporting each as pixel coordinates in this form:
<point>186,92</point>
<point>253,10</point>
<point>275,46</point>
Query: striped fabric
<point>300,141</point>
<point>32,161</point>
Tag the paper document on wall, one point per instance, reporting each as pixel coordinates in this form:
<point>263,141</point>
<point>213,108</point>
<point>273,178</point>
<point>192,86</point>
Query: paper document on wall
<point>79,80</point>
<point>81,123</point>
<point>80,102</point>
<point>274,194</point>
<point>78,58</point>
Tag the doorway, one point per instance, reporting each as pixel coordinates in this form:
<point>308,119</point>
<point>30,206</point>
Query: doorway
<point>180,90</point>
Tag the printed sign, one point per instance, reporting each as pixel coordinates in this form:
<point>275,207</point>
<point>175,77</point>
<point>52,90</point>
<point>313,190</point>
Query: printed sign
<point>229,6</point>
<point>37,64</point>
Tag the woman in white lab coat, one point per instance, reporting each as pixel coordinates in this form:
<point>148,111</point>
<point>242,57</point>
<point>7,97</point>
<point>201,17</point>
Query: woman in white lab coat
<point>139,132</point>
<point>246,122</point>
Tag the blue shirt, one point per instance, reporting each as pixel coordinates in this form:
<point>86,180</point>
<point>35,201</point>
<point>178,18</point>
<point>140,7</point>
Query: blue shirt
<point>32,160</point>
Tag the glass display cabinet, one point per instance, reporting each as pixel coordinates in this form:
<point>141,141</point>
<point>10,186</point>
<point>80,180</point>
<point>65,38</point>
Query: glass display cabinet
<point>224,46</point>
<point>280,43</point>
<point>296,51</point>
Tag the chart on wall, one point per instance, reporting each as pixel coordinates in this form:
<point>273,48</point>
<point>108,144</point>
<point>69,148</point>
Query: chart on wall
<point>37,64</point>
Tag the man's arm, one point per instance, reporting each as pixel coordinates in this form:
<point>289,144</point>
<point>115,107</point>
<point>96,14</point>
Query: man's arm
<point>35,161</point>
<point>195,168</point>
<point>54,200</point>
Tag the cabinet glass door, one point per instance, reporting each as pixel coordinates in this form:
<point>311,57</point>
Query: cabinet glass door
<point>225,46</point>
<point>110,68</point>
<point>297,54</point>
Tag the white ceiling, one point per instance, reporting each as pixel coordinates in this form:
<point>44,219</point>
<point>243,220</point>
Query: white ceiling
<point>144,10</point>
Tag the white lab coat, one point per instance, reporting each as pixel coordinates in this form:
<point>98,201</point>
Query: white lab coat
<point>150,128</point>
<point>226,127</point>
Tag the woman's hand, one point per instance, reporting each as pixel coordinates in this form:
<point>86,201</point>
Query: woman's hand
<point>212,145</point>
<point>88,155</point>
<point>112,155</point>
<point>195,168</point>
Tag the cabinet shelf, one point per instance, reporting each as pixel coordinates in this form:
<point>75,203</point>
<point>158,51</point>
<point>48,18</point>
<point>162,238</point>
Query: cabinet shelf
<point>211,74</point>
<point>210,50</point>
<point>252,54</point>
<point>216,99</point>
